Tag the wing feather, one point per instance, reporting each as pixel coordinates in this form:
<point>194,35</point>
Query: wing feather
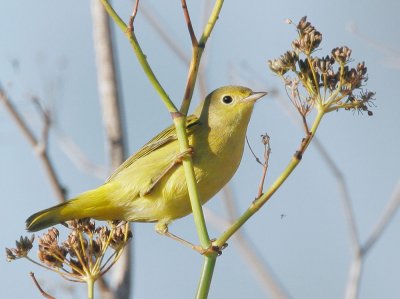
<point>166,136</point>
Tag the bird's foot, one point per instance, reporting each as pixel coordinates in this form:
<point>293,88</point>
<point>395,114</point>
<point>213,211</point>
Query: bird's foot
<point>162,229</point>
<point>212,249</point>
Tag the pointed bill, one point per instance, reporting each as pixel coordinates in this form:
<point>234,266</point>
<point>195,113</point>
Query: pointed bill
<point>254,96</point>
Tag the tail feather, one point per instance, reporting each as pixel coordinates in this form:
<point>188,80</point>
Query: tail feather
<point>91,204</point>
<point>49,217</point>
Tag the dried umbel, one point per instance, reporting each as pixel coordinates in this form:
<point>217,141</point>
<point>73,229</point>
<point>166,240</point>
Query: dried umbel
<point>50,252</point>
<point>22,248</point>
<point>86,254</point>
<point>326,83</point>
<point>285,63</point>
<point>309,38</point>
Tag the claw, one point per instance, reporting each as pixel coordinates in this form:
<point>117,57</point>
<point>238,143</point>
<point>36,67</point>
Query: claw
<point>213,248</point>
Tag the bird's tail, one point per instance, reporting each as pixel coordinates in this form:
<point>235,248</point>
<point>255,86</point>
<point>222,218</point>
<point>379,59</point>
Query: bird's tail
<point>91,204</point>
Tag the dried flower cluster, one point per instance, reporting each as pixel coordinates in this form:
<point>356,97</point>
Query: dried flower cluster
<point>83,255</point>
<point>329,82</point>
<point>22,248</point>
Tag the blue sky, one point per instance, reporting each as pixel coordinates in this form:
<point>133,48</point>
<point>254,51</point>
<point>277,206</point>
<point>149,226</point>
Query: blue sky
<point>46,50</point>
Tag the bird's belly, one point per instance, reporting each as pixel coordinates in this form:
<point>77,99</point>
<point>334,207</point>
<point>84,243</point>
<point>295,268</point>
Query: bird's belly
<point>170,200</point>
<point>211,176</point>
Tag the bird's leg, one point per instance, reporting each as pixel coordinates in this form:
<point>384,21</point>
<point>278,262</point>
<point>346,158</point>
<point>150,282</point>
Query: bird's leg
<point>177,160</point>
<point>162,229</point>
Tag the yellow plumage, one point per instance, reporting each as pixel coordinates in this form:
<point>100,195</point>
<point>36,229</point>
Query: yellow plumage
<point>147,188</point>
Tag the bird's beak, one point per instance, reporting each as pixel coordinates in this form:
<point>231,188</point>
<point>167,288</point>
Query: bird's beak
<point>254,96</point>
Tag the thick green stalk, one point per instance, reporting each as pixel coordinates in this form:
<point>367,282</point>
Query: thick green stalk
<point>90,288</point>
<point>197,52</point>
<point>258,203</point>
<point>206,276</point>
<point>197,210</point>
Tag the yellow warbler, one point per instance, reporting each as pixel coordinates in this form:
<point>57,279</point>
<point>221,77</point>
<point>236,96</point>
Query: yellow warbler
<point>150,186</point>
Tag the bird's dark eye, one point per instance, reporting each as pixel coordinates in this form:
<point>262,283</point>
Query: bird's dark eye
<point>227,99</point>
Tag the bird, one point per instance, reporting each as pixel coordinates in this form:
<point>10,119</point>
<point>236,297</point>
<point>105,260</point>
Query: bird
<point>150,186</point>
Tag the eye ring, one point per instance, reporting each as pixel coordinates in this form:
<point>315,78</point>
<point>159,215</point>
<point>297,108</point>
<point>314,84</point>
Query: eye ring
<point>227,99</point>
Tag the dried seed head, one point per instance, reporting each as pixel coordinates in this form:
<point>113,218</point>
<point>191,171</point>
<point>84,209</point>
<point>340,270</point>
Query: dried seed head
<point>50,252</point>
<point>76,266</point>
<point>317,79</point>
<point>286,62</point>
<point>23,246</point>
<point>119,235</point>
<point>324,64</point>
<point>309,37</point>
<point>84,225</point>
<point>341,54</point>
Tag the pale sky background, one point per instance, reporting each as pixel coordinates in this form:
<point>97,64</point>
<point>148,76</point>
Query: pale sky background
<point>46,50</point>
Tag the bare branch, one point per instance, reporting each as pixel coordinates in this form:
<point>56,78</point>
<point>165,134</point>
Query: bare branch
<point>39,147</point>
<point>18,118</point>
<point>160,29</point>
<point>107,84</point>
<point>79,159</point>
<point>44,294</point>
<point>353,281</point>
<point>195,43</point>
<point>391,208</point>
<point>112,119</point>
<point>345,197</point>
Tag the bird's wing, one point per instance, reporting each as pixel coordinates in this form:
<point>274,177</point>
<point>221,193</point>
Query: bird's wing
<point>165,137</point>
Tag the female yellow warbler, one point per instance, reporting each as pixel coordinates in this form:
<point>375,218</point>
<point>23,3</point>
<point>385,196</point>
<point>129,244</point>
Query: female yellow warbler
<point>150,186</point>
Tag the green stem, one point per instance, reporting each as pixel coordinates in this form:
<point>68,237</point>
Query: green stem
<point>140,56</point>
<point>210,260</point>
<point>180,125</point>
<point>206,276</point>
<point>211,22</point>
<point>90,287</point>
<point>195,202</point>
<point>258,203</point>
<point>316,84</point>
<point>197,52</point>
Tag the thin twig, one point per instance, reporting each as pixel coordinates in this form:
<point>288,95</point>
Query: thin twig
<point>356,266</point>
<point>252,152</point>
<point>45,115</point>
<point>267,152</point>
<point>163,32</point>
<point>44,294</point>
<point>133,16</point>
<point>39,147</point>
<point>389,211</point>
<point>305,124</point>
<point>189,24</point>
<point>345,197</point>
<point>259,202</point>
<point>202,78</point>
<point>79,158</point>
